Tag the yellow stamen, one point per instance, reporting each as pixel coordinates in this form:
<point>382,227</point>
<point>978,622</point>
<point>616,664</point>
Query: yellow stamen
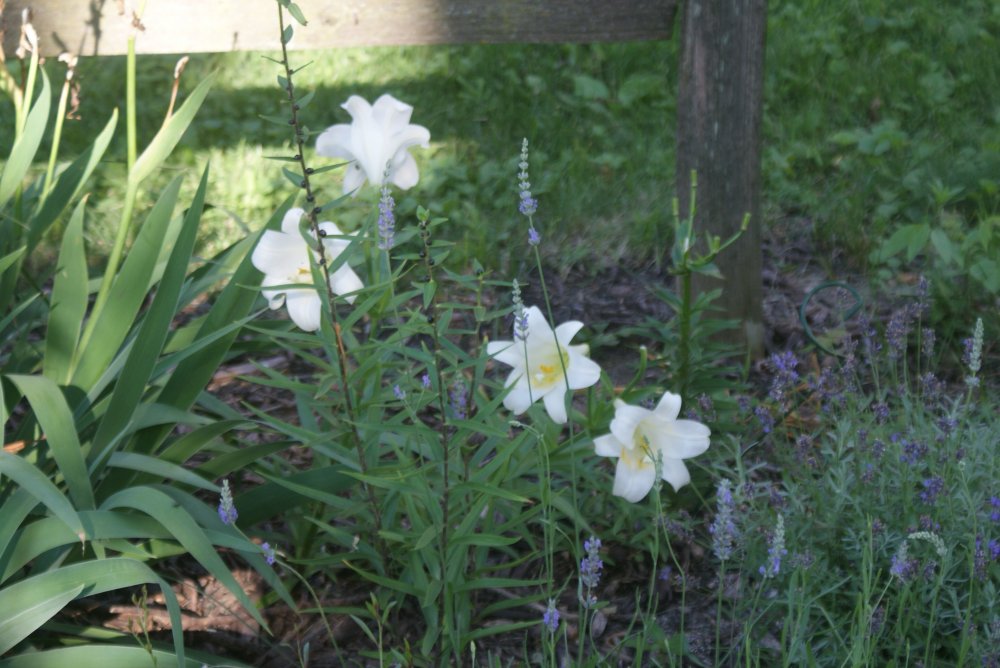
<point>549,374</point>
<point>640,456</point>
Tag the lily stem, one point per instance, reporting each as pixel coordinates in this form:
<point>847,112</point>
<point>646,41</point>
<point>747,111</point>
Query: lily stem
<point>312,213</point>
<point>447,612</point>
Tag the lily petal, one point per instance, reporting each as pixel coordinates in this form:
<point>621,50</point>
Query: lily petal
<point>290,223</point>
<point>357,107</point>
<point>538,327</point>
<point>335,142</point>
<point>626,421</point>
<point>607,446</point>
<point>555,405</point>
<point>582,371</point>
<point>408,136</point>
<point>404,171</point>
<point>345,282</point>
<point>675,473</point>
<point>304,309</point>
<point>390,112</point>
<point>279,254</point>
<point>508,352</point>
<point>354,178</point>
<point>681,439</point>
<point>669,406</point>
<point>519,398</point>
<point>566,331</point>
<point>275,298</point>
<point>633,484</point>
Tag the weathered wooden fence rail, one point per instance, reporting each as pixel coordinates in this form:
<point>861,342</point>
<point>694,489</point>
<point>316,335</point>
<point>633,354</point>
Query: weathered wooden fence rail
<point>101,27</point>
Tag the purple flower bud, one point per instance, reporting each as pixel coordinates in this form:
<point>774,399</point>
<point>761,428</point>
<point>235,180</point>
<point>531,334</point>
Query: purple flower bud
<point>551,617</point>
<point>459,396</point>
<point>765,418</point>
<point>933,487</point>
<point>591,565</point>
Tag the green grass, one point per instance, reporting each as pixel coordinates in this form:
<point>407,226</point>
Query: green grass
<point>872,107</point>
<point>581,108</point>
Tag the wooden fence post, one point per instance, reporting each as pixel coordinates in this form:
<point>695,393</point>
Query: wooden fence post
<point>719,109</point>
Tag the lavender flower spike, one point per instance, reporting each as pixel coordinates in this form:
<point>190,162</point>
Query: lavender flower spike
<point>227,511</point>
<point>386,219</point>
<point>520,314</point>
<point>551,617</point>
<point>528,204</point>
<point>591,565</point>
<point>723,527</point>
<point>775,551</point>
<point>973,356</point>
<point>590,570</point>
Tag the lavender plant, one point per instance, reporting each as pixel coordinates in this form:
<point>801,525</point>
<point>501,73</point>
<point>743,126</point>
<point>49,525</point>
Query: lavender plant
<point>890,491</point>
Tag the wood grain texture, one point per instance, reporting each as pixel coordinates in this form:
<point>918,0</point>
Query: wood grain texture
<point>96,27</point>
<point>719,113</point>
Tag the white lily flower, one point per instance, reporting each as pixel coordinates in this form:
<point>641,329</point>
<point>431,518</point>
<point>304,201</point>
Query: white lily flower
<point>639,436</point>
<point>378,137</point>
<point>283,257</point>
<point>537,369</point>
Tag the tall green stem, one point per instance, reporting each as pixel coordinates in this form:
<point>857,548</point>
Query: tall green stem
<point>130,131</point>
<point>447,610</point>
<point>131,190</point>
<point>311,213</point>
<point>684,338</point>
